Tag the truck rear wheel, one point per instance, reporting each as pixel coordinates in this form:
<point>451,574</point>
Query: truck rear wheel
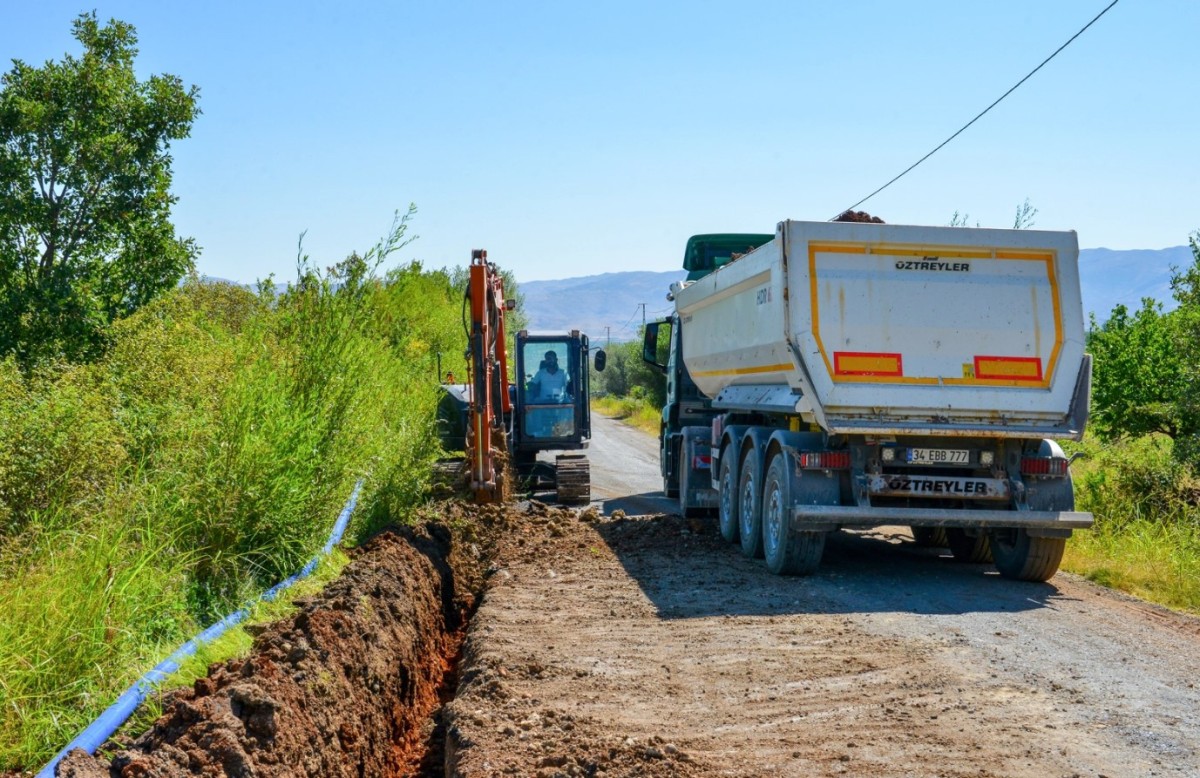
<point>750,505</point>
<point>787,552</point>
<point>971,549</point>
<point>727,496</point>
<point>930,537</point>
<point>1024,558</point>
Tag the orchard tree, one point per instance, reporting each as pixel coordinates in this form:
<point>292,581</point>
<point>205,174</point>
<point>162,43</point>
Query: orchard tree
<point>85,202</point>
<point>1147,368</point>
<point>1139,369</point>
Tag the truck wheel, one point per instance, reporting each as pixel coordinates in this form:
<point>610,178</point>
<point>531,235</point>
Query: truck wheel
<point>750,505</point>
<point>930,537</point>
<point>1024,558</point>
<point>727,496</point>
<point>971,549</point>
<point>786,552</point>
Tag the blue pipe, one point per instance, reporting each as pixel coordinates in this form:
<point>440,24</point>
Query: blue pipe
<point>100,730</point>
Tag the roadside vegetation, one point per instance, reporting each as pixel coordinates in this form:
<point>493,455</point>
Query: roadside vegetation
<point>171,447</point>
<point>628,389</point>
<point>1141,471</point>
<point>201,460</point>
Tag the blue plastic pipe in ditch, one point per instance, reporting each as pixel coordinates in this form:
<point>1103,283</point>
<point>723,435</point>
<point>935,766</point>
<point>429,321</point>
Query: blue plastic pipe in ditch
<point>119,712</point>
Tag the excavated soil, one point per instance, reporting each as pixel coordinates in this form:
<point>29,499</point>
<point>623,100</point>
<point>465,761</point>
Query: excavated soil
<point>346,687</point>
<point>647,646</point>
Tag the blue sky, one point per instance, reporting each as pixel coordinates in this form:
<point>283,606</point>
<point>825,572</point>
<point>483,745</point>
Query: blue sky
<point>570,138</point>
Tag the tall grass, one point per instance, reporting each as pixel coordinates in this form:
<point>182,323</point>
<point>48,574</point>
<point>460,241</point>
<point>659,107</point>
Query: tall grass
<point>633,409</point>
<point>203,459</point>
<point>1146,539</point>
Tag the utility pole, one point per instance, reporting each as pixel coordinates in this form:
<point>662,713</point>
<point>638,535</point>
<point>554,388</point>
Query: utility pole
<point>643,316</point>
<point>607,336</point>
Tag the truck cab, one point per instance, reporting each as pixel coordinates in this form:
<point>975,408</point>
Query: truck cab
<point>686,406</point>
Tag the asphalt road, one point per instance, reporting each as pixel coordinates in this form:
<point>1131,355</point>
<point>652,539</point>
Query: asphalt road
<point>1062,678</point>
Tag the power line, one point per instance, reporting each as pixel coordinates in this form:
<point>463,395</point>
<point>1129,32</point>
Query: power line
<point>984,111</point>
<point>631,317</point>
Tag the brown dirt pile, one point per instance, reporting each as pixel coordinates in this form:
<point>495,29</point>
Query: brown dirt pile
<point>345,687</point>
<point>858,216</point>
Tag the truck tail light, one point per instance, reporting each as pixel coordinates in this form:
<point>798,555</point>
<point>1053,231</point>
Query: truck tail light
<point>1051,466</point>
<point>825,460</point>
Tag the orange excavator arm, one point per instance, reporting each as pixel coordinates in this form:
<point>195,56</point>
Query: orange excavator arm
<point>487,374</point>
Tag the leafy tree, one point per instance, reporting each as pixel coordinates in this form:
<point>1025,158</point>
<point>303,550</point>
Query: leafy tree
<point>1138,370</point>
<point>1147,375</point>
<point>1185,286</point>
<point>85,175</point>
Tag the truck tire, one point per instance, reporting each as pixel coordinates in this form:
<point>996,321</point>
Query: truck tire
<point>1024,558</point>
<point>969,549</point>
<point>727,496</point>
<point>786,552</point>
<point>750,505</point>
<point>1018,555</point>
<point>930,537</point>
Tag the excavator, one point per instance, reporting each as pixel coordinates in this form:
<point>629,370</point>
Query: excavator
<point>502,425</point>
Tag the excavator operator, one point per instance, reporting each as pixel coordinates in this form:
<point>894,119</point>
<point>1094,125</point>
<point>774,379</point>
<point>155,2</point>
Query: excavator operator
<point>550,383</point>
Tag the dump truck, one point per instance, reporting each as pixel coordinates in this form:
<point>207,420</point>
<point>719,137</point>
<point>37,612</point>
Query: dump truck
<point>851,375</point>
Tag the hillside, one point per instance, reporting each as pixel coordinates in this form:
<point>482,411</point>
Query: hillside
<point>591,303</point>
<point>1108,277</point>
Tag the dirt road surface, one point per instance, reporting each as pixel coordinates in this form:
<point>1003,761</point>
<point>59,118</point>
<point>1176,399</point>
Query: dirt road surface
<point>648,646</point>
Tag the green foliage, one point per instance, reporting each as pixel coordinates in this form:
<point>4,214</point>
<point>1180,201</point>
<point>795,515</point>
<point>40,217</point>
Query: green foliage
<point>626,374</point>
<point>202,458</point>
<point>1146,539</point>
<point>85,175</point>
<point>1138,373</point>
<point>1141,479</point>
<point>1147,368</point>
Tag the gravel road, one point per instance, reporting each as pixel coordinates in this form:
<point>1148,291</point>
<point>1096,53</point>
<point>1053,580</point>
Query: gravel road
<point>647,646</point>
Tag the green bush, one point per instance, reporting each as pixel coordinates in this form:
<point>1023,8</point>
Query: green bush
<point>203,458</point>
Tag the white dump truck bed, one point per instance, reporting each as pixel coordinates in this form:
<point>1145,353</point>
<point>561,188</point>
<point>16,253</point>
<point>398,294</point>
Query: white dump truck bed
<point>887,329</point>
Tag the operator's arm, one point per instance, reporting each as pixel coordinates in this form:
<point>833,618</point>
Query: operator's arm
<point>535,386</point>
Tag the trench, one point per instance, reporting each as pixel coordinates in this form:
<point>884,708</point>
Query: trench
<point>354,684</point>
<point>430,760</point>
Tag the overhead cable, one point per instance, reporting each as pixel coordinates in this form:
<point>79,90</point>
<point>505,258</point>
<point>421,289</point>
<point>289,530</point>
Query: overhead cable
<point>981,113</point>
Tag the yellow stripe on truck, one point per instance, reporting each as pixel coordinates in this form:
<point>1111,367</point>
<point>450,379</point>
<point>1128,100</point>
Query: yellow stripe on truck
<point>746,370</point>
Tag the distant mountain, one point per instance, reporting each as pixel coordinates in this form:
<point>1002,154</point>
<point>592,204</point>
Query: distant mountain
<point>591,303</point>
<point>1108,278</point>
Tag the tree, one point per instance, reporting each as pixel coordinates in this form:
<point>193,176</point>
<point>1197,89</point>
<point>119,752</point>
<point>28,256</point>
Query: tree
<point>1138,376</point>
<point>85,203</point>
<point>1147,375</point>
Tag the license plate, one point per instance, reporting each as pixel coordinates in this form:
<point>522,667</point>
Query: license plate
<point>938,456</point>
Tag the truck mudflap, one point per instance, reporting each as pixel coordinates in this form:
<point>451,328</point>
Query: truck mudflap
<point>810,518</point>
<point>696,494</point>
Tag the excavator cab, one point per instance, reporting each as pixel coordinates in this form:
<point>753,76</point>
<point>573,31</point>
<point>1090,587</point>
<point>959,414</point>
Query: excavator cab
<point>552,411</point>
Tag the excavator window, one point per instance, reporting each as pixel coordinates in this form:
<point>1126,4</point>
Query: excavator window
<point>549,390</point>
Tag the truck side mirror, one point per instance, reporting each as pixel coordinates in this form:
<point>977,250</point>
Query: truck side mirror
<point>650,346</point>
<point>600,360</point>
